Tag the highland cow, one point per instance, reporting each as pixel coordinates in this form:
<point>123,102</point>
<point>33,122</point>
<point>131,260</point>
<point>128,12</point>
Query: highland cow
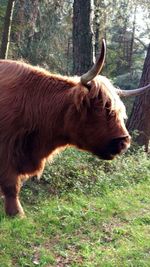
<point>41,113</point>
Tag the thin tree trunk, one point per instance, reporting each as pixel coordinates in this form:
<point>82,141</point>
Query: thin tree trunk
<point>132,41</point>
<point>97,28</point>
<point>140,116</point>
<point>7,29</point>
<point>83,43</point>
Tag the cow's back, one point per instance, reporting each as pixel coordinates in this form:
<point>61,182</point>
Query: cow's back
<point>11,72</point>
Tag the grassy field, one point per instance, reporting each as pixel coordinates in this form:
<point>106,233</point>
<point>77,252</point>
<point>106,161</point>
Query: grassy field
<point>83,212</point>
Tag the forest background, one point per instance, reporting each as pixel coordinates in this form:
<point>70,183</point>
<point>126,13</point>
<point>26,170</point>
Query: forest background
<point>42,35</point>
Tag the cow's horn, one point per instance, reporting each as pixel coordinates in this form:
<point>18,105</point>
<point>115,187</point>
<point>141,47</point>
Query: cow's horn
<point>135,92</point>
<point>95,70</point>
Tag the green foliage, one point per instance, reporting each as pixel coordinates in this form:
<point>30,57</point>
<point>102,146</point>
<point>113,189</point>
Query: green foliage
<point>81,172</point>
<point>124,24</point>
<point>128,80</point>
<point>41,37</point>
<point>42,34</point>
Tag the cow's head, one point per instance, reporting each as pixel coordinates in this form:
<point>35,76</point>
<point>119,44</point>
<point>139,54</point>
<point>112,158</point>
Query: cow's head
<point>97,121</point>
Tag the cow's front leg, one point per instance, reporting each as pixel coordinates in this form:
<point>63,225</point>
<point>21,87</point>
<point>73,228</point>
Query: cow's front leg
<point>11,198</point>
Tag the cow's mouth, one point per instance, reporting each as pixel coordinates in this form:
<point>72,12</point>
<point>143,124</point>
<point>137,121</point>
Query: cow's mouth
<point>115,147</point>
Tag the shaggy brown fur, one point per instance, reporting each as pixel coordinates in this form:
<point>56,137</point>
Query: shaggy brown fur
<point>41,112</point>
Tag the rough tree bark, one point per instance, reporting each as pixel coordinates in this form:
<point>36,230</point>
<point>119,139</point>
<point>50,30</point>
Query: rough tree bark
<point>83,37</point>
<point>140,115</point>
<point>7,29</point>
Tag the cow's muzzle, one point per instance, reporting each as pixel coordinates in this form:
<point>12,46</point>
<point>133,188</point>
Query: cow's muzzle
<point>115,147</point>
<point>119,145</point>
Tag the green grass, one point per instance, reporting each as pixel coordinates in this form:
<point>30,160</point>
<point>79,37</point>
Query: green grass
<point>83,212</point>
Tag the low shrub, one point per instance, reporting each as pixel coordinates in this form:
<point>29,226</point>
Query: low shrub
<point>73,170</point>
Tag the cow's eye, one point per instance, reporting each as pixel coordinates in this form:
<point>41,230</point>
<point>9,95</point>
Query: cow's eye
<point>113,113</point>
<point>110,114</point>
<point>108,105</point>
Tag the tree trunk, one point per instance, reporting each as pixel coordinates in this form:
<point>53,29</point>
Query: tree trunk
<point>97,27</point>
<point>83,43</point>
<point>140,116</point>
<point>7,29</point>
<point>26,13</point>
<point>130,59</point>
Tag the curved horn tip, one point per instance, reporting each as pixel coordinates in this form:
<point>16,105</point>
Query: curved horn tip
<point>96,69</point>
<point>133,92</point>
<point>104,43</point>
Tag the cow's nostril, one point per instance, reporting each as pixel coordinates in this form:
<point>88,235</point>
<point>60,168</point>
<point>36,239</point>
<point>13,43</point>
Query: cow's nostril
<point>124,143</point>
<point>122,140</point>
<point>128,138</point>
<point>120,144</point>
